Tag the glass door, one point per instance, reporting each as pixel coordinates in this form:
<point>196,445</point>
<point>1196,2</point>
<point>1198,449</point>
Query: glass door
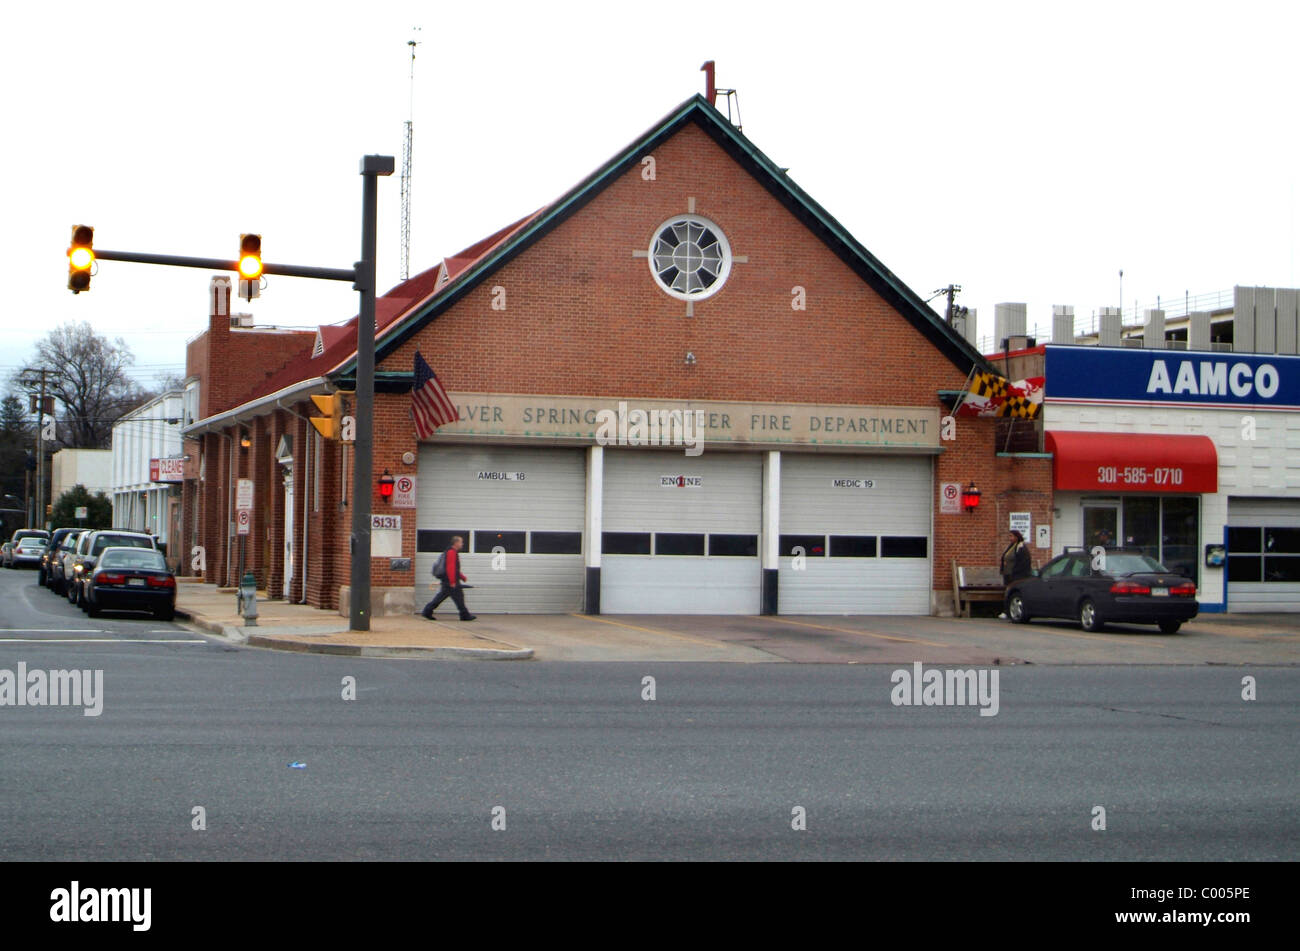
<point>1100,524</point>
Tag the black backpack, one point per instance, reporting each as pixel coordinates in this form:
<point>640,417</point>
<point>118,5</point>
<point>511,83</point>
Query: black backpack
<point>440,567</point>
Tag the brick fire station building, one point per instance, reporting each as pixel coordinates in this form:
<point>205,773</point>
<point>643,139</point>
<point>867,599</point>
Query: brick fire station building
<point>687,280</point>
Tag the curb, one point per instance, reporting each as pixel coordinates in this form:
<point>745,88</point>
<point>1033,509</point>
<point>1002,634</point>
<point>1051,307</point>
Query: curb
<point>355,650</point>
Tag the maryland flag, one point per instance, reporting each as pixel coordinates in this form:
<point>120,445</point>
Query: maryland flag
<point>992,395</point>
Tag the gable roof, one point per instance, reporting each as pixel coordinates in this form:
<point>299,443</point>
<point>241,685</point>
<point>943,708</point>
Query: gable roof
<point>480,261</point>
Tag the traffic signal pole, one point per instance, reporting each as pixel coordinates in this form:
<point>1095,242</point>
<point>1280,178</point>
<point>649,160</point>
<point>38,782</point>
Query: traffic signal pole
<point>362,276</point>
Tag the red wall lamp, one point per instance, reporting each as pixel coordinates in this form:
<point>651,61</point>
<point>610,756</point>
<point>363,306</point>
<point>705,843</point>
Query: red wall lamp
<point>386,485</point>
<point>970,498</point>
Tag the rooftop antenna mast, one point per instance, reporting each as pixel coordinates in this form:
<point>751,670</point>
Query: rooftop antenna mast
<point>406,169</point>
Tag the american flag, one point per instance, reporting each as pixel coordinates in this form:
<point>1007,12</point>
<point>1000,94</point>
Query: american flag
<point>430,405</point>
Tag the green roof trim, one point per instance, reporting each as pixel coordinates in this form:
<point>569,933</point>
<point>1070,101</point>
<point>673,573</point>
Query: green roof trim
<point>778,183</point>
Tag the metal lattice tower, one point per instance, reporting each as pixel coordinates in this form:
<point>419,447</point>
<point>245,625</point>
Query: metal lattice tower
<point>406,173</point>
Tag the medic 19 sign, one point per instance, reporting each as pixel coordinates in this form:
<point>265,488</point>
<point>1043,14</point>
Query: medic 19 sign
<point>1200,378</point>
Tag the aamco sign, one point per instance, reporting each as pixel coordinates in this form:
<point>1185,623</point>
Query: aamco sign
<point>1132,376</point>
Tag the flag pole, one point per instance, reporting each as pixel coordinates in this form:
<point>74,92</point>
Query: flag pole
<point>964,390</point>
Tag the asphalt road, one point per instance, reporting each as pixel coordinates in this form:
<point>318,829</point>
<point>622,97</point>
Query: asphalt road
<point>584,768</point>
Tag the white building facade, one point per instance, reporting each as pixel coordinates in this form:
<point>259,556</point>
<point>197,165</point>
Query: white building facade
<point>1193,456</point>
<point>147,460</point>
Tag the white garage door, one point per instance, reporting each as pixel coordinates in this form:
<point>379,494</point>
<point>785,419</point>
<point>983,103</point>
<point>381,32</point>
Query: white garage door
<point>681,533</point>
<point>1263,555</point>
<point>528,503</point>
<point>863,523</point>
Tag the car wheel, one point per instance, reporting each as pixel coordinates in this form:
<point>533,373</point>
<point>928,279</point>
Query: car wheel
<point>1170,627</point>
<point>92,609</point>
<point>1016,609</point>
<point>56,585</point>
<point>166,614</point>
<point>71,592</point>
<point>1089,619</point>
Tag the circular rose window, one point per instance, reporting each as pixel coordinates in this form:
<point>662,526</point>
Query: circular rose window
<point>690,257</point>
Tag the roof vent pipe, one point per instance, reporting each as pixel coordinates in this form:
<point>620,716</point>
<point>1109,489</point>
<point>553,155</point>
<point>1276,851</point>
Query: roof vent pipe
<point>710,89</point>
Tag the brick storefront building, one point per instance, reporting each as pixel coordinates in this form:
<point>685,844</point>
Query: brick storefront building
<point>689,275</point>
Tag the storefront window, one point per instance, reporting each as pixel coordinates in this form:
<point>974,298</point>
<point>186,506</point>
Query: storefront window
<point>1163,527</point>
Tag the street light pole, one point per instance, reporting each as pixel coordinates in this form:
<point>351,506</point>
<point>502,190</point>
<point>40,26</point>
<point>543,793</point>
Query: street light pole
<point>372,166</point>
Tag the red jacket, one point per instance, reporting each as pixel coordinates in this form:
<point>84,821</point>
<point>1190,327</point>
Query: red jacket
<point>453,567</point>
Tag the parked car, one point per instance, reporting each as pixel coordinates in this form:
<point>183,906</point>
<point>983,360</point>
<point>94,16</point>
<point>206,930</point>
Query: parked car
<point>1132,588</point>
<point>51,547</point>
<point>10,548</point>
<point>131,579</point>
<point>84,556</point>
<point>64,556</point>
<point>27,553</point>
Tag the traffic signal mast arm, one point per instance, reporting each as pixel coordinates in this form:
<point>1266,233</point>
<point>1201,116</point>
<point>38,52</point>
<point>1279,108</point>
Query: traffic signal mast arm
<point>217,264</point>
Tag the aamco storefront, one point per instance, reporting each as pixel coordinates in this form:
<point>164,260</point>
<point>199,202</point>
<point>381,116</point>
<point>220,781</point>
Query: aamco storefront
<point>637,506</point>
<point>1192,456</point>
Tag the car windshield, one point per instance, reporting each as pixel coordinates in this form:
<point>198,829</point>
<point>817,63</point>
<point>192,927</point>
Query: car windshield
<point>137,558</point>
<point>122,541</point>
<point>1126,564</point>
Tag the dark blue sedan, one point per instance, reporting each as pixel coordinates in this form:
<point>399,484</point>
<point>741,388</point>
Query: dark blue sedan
<point>131,579</point>
<point>1125,587</point>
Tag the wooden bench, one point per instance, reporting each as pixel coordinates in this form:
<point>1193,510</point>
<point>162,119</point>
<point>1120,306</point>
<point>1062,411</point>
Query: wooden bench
<point>975,583</point>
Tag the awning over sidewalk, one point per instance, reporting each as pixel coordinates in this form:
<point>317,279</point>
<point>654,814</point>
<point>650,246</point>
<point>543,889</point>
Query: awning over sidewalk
<point>1132,462</point>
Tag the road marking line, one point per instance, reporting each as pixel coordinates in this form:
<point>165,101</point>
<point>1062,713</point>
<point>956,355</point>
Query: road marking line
<point>50,630</point>
<point>651,630</point>
<point>849,630</point>
<point>98,641</point>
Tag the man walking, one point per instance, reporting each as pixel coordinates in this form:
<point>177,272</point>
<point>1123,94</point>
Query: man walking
<point>451,583</point>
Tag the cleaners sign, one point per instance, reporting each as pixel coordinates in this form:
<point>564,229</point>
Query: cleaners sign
<point>1192,377</point>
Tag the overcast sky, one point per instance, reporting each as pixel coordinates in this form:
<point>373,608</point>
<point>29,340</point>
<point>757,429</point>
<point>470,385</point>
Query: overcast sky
<point>1027,152</point>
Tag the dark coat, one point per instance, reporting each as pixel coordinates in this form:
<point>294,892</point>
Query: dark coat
<point>1016,563</point>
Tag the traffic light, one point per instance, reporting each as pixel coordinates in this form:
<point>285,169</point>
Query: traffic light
<point>250,266</point>
<point>81,257</point>
<point>329,425</point>
<point>250,256</point>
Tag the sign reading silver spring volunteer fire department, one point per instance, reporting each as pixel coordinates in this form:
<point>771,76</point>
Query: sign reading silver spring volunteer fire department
<point>690,424</point>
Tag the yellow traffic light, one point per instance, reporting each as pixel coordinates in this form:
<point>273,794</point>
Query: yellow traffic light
<point>250,256</point>
<point>81,257</point>
<point>329,425</point>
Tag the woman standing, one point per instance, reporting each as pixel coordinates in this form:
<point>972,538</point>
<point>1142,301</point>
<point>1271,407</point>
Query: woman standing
<point>1016,563</point>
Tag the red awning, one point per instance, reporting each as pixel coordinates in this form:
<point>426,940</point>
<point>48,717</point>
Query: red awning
<point>1132,462</point>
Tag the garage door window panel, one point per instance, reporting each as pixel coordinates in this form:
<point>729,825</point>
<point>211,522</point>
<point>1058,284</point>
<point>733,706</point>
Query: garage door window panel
<point>437,539</point>
<point>733,546</point>
<point>514,543</point>
<point>854,546</point>
<point>902,546</point>
<point>679,543</point>
<point>556,543</point>
<point>812,545</point>
<point>625,543</point>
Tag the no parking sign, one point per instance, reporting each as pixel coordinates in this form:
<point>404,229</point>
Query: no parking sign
<point>950,497</point>
<point>404,492</point>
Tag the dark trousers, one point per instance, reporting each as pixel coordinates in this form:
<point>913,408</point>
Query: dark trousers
<point>447,591</point>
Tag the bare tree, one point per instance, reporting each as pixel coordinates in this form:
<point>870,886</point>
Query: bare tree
<point>88,376</point>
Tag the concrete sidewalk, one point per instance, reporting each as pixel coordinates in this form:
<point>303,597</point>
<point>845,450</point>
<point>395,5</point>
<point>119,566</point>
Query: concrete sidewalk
<point>300,627</point>
<point>900,640</point>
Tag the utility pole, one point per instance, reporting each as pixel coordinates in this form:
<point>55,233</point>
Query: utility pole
<point>37,518</point>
